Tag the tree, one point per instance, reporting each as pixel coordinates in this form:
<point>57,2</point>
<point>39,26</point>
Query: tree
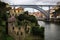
<point>25,19</point>
<point>22,20</point>
<point>4,14</point>
<point>37,31</point>
<point>4,21</point>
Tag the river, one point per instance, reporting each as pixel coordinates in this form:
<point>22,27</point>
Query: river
<point>52,30</point>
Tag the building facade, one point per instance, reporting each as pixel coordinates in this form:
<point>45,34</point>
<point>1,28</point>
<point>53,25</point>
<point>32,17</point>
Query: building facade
<point>17,32</point>
<point>16,11</point>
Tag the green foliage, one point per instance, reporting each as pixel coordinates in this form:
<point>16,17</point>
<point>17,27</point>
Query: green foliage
<point>3,10</point>
<point>21,17</point>
<point>9,38</point>
<point>27,17</point>
<point>3,20</point>
<point>3,35</point>
<point>32,19</point>
<point>37,31</point>
<point>26,13</point>
<point>2,4</point>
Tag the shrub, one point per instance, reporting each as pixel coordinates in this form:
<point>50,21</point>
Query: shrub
<point>37,31</point>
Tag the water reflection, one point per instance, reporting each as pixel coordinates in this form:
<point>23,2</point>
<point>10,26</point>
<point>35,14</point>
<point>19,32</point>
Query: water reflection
<point>52,30</point>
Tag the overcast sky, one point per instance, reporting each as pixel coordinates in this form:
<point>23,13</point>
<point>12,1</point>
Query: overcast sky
<point>31,2</point>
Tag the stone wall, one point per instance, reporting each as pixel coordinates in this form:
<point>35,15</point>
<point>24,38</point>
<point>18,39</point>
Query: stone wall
<point>16,32</point>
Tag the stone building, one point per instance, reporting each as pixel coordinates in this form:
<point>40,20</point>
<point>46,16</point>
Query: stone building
<point>16,11</point>
<point>17,32</point>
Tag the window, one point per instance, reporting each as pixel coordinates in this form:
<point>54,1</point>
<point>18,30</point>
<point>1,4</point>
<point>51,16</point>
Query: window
<point>27,30</point>
<point>21,33</point>
<point>19,28</point>
<point>17,33</point>
<point>13,28</point>
<point>12,24</point>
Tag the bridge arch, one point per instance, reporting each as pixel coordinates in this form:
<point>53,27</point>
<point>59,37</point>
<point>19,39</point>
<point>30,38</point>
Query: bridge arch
<point>34,7</point>
<point>37,8</point>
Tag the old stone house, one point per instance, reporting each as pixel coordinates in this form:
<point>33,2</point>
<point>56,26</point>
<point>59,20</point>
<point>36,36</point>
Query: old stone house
<point>17,32</point>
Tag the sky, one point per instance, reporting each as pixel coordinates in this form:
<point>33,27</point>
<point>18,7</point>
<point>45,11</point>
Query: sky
<point>34,10</point>
<point>32,2</point>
